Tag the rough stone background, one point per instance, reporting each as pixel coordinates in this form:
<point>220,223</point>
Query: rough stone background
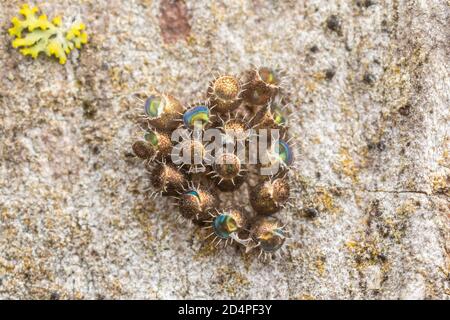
<point>369,81</point>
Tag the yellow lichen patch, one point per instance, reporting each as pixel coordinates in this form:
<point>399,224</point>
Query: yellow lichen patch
<point>393,229</point>
<point>346,108</point>
<point>323,199</point>
<point>311,86</point>
<point>207,249</point>
<point>35,34</point>
<point>6,215</point>
<point>406,208</point>
<point>316,139</point>
<point>319,76</point>
<point>365,253</point>
<point>441,184</point>
<point>445,159</point>
<point>320,265</point>
<point>115,287</point>
<point>347,165</point>
<point>305,297</point>
<point>142,212</point>
<point>6,267</point>
<point>247,259</point>
<point>230,280</point>
<point>191,40</point>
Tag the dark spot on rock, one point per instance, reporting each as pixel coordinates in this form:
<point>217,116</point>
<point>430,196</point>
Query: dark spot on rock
<point>311,212</point>
<point>96,150</point>
<point>318,175</point>
<point>314,49</point>
<point>419,87</point>
<point>369,78</point>
<point>100,296</point>
<point>380,145</point>
<point>329,73</point>
<point>374,208</point>
<point>365,3</point>
<point>405,110</point>
<point>54,296</point>
<point>348,47</point>
<point>385,27</point>
<point>382,258</point>
<point>89,110</point>
<point>334,23</point>
<point>338,192</point>
<point>174,21</point>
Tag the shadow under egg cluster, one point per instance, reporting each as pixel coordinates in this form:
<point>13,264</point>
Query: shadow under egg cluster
<point>232,104</point>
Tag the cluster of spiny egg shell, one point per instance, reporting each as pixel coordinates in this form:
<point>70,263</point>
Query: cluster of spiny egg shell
<point>250,101</point>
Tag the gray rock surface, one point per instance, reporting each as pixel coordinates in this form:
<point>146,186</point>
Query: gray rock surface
<point>370,87</point>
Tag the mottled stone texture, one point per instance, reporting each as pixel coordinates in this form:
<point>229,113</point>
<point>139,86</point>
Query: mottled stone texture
<point>369,85</point>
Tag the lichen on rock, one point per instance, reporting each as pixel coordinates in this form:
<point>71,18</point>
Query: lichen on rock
<point>41,35</point>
